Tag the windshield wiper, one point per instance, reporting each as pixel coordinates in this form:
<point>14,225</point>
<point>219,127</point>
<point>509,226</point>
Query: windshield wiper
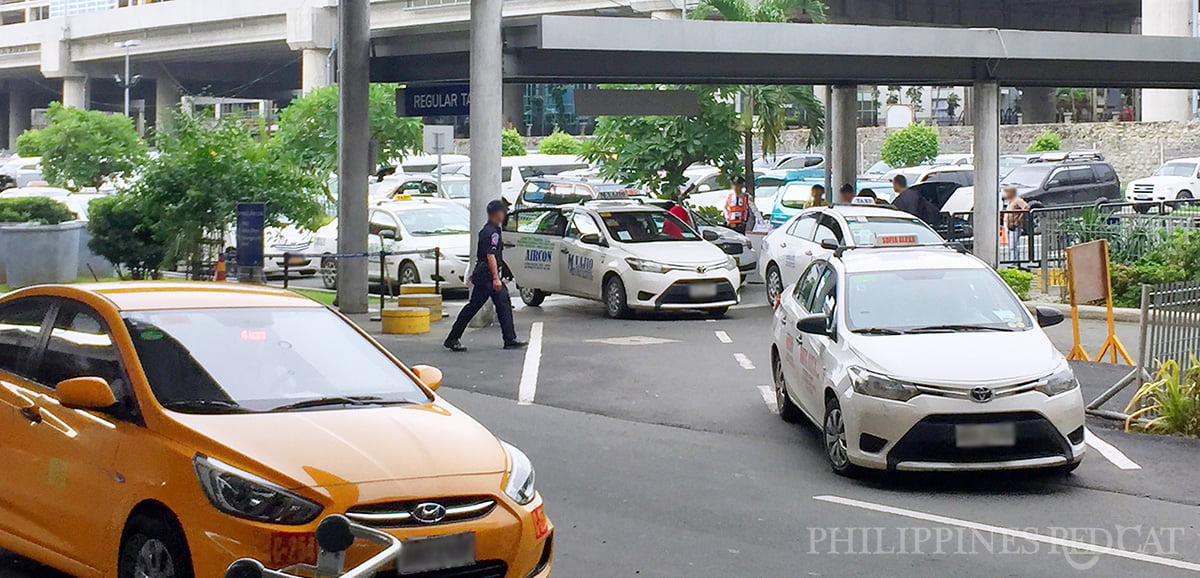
<point>330,400</point>
<point>877,331</point>
<point>957,327</point>
<point>204,404</point>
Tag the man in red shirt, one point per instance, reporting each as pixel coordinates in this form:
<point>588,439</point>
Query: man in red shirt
<point>669,228</point>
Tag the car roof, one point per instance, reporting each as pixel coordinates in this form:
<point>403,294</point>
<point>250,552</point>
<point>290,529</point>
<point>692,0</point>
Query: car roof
<point>861,211</point>
<point>907,258</point>
<point>617,206</point>
<point>1184,160</point>
<point>151,295</point>
<point>413,203</point>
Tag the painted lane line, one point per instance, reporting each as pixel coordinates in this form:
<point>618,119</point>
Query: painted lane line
<point>744,361</point>
<point>710,320</point>
<point>1109,451</point>
<point>1024,535</point>
<point>768,395</point>
<point>533,362</point>
<point>724,337</point>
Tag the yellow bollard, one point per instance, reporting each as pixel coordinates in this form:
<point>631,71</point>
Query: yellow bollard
<point>431,302</point>
<point>405,321</point>
<point>418,289</point>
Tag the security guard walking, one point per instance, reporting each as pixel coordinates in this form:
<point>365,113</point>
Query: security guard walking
<point>486,283</point>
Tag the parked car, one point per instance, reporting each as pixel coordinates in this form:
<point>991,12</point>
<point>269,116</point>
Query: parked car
<point>1176,180</point>
<point>514,171</point>
<point>1012,161</point>
<point>731,242</point>
<point>791,161</point>
<point>454,187</point>
<point>23,170</point>
<point>963,175</point>
<point>35,191</point>
<point>552,191</point>
<point>1069,179</point>
<point>875,172</point>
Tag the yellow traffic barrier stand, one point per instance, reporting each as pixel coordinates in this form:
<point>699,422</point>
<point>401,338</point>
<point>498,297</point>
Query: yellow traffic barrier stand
<point>405,320</point>
<point>418,289</point>
<point>1088,280</point>
<point>432,302</point>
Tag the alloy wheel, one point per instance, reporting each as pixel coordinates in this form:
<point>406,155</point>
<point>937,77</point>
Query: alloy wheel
<point>835,438</point>
<point>154,560</point>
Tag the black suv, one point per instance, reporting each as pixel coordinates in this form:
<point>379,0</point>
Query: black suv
<point>1075,178</point>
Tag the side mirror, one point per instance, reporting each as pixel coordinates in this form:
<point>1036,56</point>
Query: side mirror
<point>590,239</point>
<point>389,234</point>
<point>1053,183</point>
<point>1047,316</point>
<point>429,375</point>
<point>829,244</point>
<point>704,188</point>
<point>710,235</point>
<point>85,393</point>
<point>814,324</point>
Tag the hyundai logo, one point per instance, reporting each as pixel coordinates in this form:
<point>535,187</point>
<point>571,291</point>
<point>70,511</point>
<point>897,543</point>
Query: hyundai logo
<point>981,394</point>
<point>429,512</point>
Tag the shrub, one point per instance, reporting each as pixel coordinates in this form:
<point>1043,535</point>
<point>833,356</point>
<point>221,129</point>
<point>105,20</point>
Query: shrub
<point>122,231</point>
<point>1171,403</point>
<point>1045,142</point>
<point>1020,281</point>
<point>910,146</point>
<point>713,215</point>
<point>34,210</point>
<point>1127,280</point>
<point>560,143</point>
<point>512,144</point>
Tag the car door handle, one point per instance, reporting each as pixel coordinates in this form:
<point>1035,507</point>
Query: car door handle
<point>509,245</point>
<point>31,413</point>
<point>809,253</point>
<point>564,251</point>
<point>783,245</point>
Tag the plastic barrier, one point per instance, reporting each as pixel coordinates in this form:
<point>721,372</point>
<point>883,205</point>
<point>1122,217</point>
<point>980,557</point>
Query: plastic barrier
<point>405,320</point>
<point>431,302</point>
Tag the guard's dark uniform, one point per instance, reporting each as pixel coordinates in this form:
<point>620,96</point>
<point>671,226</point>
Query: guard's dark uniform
<point>490,243</point>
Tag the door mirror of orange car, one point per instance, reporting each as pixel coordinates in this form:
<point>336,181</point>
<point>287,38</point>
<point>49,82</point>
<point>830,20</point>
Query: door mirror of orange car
<point>429,375</point>
<point>85,393</point>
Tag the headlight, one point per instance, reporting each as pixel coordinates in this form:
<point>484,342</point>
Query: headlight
<point>730,263</point>
<point>647,265</point>
<point>245,495</point>
<point>876,385</point>
<point>1060,381</point>
<point>519,485</point>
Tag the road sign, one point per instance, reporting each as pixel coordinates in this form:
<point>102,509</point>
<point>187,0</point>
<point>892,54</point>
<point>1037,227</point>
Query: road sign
<point>251,218</point>
<point>434,100</point>
<point>438,139</point>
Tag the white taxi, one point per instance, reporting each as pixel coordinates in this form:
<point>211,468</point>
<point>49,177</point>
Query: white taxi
<point>416,227</point>
<point>923,360</point>
<point>787,251</point>
<point>626,254</point>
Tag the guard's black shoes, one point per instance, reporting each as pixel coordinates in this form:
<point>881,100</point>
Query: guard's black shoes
<point>454,345</point>
<point>515,344</point>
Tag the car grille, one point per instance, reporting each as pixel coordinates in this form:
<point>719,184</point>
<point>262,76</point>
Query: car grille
<point>733,248</point>
<point>679,294</point>
<point>291,248</point>
<point>407,513</point>
<point>933,440</point>
<point>965,393</point>
<point>1143,189</point>
<point>485,569</point>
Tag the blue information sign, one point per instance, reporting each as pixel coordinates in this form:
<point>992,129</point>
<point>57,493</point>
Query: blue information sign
<point>251,218</point>
<point>434,100</point>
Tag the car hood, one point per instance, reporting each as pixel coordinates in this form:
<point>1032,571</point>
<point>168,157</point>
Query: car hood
<point>677,252</point>
<point>449,244</point>
<point>1160,180</point>
<point>354,446</point>
<point>969,359</point>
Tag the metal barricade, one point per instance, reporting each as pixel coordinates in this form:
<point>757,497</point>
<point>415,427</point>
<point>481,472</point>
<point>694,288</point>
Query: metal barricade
<point>335,535</point>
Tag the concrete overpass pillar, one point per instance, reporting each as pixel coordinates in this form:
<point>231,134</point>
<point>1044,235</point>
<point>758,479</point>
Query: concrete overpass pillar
<point>843,166</point>
<point>314,68</point>
<point>311,28</point>
<point>166,98</point>
<point>986,114</point>
<point>514,107</point>
<point>19,112</point>
<point>75,92</point>
<point>1038,105</point>
<point>1167,18</point>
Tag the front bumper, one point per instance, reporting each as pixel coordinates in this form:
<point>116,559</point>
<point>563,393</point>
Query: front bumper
<point>274,263</point>
<point>919,435</point>
<point>682,289</point>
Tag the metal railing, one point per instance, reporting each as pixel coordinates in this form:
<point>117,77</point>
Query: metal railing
<point>335,535</point>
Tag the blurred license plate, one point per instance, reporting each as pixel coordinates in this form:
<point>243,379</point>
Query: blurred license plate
<point>702,290</point>
<point>985,435</point>
<point>436,553</point>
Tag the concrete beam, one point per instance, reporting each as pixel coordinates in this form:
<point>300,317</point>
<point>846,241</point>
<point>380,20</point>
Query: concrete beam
<point>986,115</point>
<point>166,98</point>
<point>843,166</point>
<point>314,68</point>
<point>19,111</point>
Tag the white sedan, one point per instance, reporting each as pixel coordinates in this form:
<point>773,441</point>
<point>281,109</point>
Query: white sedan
<point>921,360</point>
<point>628,255</point>
<point>787,251</point>
<point>412,229</point>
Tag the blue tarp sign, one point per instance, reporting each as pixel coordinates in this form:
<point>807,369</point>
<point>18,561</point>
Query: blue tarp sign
<point>434,100</point>
<point>251,218</point>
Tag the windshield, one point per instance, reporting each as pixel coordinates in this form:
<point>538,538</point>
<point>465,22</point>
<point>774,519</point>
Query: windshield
<point>647,226</point>
<point>1007,164</point>
<point>878,168</point>
<point>457,189</point>
<point>908,299</point>
<point>1176,170</point>
<point>1029,175</point>
<point>765,192</point>
<point>435,220</point>
<point>883,231</point>
<point>796,195</point>
<point>216,360</point>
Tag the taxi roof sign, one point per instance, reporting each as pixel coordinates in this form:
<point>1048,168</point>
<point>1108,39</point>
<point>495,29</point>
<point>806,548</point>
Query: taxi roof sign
<point>862,201</point>
<point>896,240</point>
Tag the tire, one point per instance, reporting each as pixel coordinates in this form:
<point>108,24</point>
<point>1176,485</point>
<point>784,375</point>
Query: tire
<point>1067,469</point>
<point>154,547</point>
<point>787,410</point>
<point>532,297</point>
<point>408,274</point>
<point>616,305</point>
<point>774,284</point>
<point>1184,196</point>
<point>717,312</point>
<point>833,435</point>
<point>329,272</point>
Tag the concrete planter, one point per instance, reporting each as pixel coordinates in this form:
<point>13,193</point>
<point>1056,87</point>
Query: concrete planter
<point>98,265</point>
<point>3,250</point>
<point>36,254</point>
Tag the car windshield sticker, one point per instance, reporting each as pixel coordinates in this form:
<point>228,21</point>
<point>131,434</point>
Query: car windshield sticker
<point>1004,314</point>
<point>253,335</point>
<point>897,239</point>
<point>862,235</point>
<point>624,235</point>
<point>151,335</point>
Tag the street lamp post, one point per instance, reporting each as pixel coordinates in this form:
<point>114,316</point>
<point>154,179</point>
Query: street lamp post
<point>127,82</point>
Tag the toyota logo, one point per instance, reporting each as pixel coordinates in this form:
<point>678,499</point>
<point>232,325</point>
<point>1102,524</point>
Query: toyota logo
<point>981,394</point>
<point>701,269</point>
<point>429,512</point>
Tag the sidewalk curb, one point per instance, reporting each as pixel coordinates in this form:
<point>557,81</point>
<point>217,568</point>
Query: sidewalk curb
<point>1094,312</point>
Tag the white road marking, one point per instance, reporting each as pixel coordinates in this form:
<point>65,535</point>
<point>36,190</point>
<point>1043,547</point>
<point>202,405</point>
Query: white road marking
<point>724,337</point>
<point>1032,537</point>
<point>533,362</point>
<point>633,340</point>
<point>768,395</point>
<point>710,320</point>
<point>1109,451</point>
<point>744,361</point>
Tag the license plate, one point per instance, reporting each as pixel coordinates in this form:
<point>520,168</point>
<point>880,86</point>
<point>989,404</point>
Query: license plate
<point>436,553</point>
<point>985,435</point>
<point>702,290</point>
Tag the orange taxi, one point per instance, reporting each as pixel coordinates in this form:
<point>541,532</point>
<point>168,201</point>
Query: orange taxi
<point>164,430</point>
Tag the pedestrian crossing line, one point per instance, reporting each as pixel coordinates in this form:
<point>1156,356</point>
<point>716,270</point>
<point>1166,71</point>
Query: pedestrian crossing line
<point>723,337</point>
<point>768,395</point>
<point>533,360</point>
<point>744,361</point>
<point>1110,452</point>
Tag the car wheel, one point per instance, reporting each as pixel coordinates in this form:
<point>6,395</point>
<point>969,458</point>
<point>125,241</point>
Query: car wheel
<point>408,274</point>
<point>532,297</point>
<point>329,272</point>
<point>1184,196</point>
<point>1067,469</point>
<point>834,436</point>
<point>774,285</point>
<point>616,305</point>
<point>717,312</point>
<point>787,410</point>
<point>154,548</point>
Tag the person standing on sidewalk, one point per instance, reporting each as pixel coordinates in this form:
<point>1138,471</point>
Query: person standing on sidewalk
<point>1016,210</point>
<point>737,206</point>
<point>486,283</point>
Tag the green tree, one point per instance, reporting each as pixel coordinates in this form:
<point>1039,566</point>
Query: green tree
<point>204,170</point>
<point>653,151</point>
<point>308,128</point>
<point>560,143</point>
<point>123,231</point>
<point>1045,142</point>
<point>910,146</point>
<point>952,104</point>
<point>83,148</point>
<point>512,144</point>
